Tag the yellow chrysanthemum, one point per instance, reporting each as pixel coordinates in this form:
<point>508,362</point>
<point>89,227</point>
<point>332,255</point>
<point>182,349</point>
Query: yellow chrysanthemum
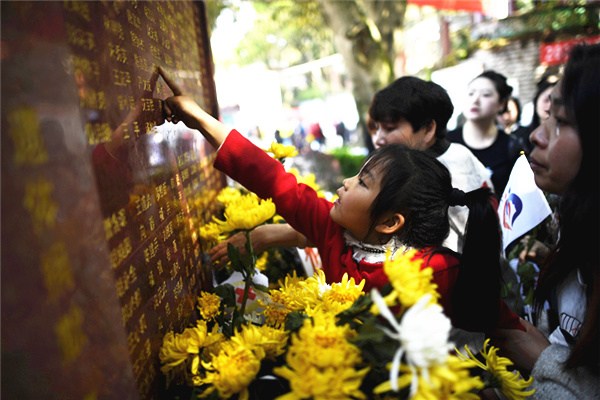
<point>231,371</point>
<point>209,305</point>
<point>281,151</point>
<point>319,350</point>
<point>262,262</point>
<point>278,219</point>
<point>409,280</point>
<point>309,179</point>
<point>176,348</point>
<point>323,384</point>
<point>210,233</point>
<point>296,294</point>
<point>274,312</point>
<point>323,343</point>
<point>275,315</point>
<point>270,341</point>
<point>245,213</point>
<point>317,283</point>
<point>448,380</point>
<point>228,194</point>
<point>174,351</point>
<point>342,295</point>
<point>511,383</point>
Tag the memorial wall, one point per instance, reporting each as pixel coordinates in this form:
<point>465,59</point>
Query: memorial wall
<point>101,198</point>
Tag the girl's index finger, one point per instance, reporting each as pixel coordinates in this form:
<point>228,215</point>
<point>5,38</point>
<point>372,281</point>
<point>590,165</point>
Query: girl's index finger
<point>170,83</point>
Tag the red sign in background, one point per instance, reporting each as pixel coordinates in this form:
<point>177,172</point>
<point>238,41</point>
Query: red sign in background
<point>556,53</point>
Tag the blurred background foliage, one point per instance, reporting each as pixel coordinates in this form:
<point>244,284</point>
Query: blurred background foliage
<point>369,35</point>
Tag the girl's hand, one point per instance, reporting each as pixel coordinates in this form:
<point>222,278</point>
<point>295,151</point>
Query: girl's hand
<point>218,254</point>
<point>263,237</point>
<point>185,109</point>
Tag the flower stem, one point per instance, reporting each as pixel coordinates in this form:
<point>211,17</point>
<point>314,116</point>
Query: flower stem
<point>248,273</point>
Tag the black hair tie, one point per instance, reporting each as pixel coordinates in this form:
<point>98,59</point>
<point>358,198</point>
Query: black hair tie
<point>457,198</point>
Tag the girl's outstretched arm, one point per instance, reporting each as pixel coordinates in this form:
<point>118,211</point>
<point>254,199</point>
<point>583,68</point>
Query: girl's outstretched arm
<point>263,237</point>
<point>183,108</point>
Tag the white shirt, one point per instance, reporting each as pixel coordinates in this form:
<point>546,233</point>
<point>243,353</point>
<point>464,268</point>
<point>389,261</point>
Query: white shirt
<point>467,173</point>
<point>571,305</point>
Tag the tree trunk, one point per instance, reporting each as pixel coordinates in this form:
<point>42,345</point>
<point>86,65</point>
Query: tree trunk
<point>366,34</point>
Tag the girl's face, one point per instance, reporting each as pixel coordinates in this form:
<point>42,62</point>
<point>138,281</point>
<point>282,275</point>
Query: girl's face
<point>557,154</point>
<point>542,104</point>
<point>400,132</point>
<point>352,208</point>
<point>483,101</point>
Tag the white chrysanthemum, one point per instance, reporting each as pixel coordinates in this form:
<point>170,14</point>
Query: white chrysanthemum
<point>424,331</point>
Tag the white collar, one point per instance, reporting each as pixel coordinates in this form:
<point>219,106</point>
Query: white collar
<point>373,253</point>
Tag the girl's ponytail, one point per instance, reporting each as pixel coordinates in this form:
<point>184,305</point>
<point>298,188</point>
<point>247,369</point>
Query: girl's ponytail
<point>476,298</point>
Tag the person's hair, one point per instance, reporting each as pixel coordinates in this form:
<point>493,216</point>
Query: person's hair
<point>544,83</point>
<point>415,184</point>
<point>477,290</point>
<point>417,101</point>
<point>517,103</point>
<point>578,210</point>
<point>500,83</point>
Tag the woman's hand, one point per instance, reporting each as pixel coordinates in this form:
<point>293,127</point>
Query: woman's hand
<point>523,348</point>
<point>536,253</point>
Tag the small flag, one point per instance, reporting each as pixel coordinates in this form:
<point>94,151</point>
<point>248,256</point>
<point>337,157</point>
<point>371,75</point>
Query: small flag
<point>523,205</point>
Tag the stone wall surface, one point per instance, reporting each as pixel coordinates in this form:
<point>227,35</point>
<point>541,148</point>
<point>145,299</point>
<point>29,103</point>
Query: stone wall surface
<point>101,198</point>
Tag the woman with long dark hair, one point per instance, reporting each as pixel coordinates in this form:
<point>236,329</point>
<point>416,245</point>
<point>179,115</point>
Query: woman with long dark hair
<point>563,355</point>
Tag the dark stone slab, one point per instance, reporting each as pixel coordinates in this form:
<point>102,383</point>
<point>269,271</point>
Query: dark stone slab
<point>100,197</point>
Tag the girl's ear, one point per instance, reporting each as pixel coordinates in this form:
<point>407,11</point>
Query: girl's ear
<point>391,224</point>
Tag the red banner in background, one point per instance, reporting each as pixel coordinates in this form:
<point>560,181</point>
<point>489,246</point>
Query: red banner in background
<point>456,5</point>
<point>556,53</point>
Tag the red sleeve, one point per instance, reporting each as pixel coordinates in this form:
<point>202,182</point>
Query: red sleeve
<point>508,319</point>
<point>445,274</point>
<point>258,172</point>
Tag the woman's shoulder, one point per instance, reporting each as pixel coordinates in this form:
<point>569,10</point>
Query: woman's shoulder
<point>458,152</point>
<point>553,381</point>
<point>455,135</point>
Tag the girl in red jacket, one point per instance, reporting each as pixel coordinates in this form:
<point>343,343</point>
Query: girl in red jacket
<point>399,200</point>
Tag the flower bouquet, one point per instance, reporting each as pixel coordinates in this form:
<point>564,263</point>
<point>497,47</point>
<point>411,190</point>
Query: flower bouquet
<point>304,338</point>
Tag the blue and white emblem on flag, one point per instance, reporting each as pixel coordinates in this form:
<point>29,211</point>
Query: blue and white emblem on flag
<point>523,205</point>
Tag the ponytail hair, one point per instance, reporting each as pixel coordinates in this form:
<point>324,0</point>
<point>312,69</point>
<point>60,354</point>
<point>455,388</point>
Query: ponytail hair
<point>476,296</point>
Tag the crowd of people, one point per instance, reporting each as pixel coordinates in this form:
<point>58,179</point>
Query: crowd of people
<point>437,192</point>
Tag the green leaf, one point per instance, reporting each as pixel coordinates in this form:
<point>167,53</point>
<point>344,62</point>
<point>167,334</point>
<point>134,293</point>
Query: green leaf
<point>294,321</point>
<point>370,332</point>
<point>261,288</point>
<point>360,307</point>
<point>226,292</point>
<point>234,256</point>
<point>249,268</point>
